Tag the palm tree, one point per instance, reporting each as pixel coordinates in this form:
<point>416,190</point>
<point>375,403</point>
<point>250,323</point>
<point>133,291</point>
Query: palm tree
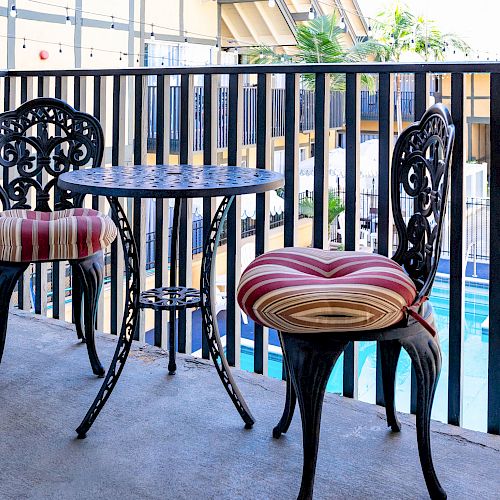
<point>319,41</point>
<point>335,207</point>
<point>398,32</point>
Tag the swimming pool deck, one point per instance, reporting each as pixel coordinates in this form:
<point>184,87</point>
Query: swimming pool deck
<point>180,438</point>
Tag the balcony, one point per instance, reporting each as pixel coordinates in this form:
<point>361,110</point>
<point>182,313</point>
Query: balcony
<point>179,437</point>
<point>190,117</point>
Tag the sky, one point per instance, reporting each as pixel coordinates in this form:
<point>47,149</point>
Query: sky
<point>476,21</point>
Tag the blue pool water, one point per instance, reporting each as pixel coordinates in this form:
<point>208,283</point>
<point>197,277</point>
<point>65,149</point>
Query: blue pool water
<point>475,359</point>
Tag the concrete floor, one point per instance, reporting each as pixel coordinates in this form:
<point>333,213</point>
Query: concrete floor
<point>180,438</point>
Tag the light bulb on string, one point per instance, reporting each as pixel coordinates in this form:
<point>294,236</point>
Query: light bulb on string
<point>311,14</point>
<point>152,33</point>
<point>112,23</point>
<point>13,11</point>
<point>60,48</point>
<point>120,56</point>
<point>68,19</point>
<point>271,3</point>
<point>24,43</point>
<point>163,61</point>
<point>91,52</point>
<point>342,23</point>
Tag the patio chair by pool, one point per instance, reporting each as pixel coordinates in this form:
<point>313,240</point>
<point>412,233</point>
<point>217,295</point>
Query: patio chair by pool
<point>319,301</point>
<point>38,142</point>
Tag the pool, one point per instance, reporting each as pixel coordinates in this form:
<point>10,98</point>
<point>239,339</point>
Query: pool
<point>475,359</point>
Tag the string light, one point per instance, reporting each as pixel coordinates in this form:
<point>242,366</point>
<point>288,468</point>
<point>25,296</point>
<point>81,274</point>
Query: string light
<point>120,56</point>
<point>311,14</point>
<point>152,36</point>
<point>68,19</point>
<point>60,48</point>
<point>163,61</point>
<point>112,23</point>
<point>13,11</point>
<point>24,43</point>
<point>91,52</point>
<point>342,23</point>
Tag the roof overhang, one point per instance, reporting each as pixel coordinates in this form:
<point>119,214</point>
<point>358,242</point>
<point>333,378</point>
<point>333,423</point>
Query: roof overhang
<point>251,23</point>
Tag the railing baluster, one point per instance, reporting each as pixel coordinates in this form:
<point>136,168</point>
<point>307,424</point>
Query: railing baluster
<point>186,232</point>
<point>262,207</point>
<point>140,205</point>
<point>162,206</point>
<point>117,156</point>
<point>494,327</point>
<point>41,268</point>
<point>457,253</point>
<point>210,130</point>
<point>4,83</point>
<point>321,160</point>
<point>422,86</point>
<point>350,375</point>
<point>58,268</point>
<point>384,215</point>
<point>234,143</point>
<point>291,158</point>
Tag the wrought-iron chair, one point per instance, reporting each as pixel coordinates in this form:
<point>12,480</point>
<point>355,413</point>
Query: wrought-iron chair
<point>319,301</point>
<point>40,140</point>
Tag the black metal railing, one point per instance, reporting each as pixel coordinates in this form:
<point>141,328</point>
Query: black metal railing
<point>106,93</point>
<point>306,123</point>
<point>368,102</point>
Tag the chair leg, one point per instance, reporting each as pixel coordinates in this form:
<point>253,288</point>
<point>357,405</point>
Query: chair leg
<point>291,400</point>
<point>425,353</point>
<point>389,356</point>
<point>310,362</point>
<point>90,273</point>
<point>10,272</point>
<point>76,292</point>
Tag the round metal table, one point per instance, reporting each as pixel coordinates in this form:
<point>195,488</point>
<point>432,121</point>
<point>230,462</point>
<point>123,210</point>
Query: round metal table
<point>179,182</point>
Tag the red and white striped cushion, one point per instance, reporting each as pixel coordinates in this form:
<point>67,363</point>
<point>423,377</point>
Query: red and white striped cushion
<point>302,290</point>
<point>29,236</point>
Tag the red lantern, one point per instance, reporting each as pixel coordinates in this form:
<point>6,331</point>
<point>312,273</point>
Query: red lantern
<point>43,55</point>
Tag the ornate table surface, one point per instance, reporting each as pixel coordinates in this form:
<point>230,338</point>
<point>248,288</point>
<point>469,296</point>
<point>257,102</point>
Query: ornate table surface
<point>170,181</point>
<point>179,182</point>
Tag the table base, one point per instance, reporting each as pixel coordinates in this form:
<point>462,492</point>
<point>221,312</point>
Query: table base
<point>131,311</point>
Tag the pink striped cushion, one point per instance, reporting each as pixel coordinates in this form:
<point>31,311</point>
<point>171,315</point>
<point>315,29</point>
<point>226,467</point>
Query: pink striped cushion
<point>301,290</point>
<point>28,236</point>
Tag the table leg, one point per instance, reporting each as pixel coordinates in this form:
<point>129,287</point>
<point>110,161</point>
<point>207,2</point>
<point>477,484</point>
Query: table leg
<point>172,316</point>
<point>130,317</point>
<point>210,327</point>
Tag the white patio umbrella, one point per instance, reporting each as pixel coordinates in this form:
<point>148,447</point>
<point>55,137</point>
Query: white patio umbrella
<point>368,153</point>
<point>276,205</point>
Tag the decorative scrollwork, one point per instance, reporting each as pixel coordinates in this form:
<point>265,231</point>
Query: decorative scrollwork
<point>170,297</point>
<point>42,139</point>
<point>130,316</point>
<point>421,171</point>
<point>210,327</point>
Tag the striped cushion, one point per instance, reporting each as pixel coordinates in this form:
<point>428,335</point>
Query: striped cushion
<point>27,236</point>
<point>301,290</point>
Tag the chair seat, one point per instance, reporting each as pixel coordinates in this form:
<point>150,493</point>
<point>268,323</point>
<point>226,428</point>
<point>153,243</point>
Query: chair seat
<point>31,236</point>
<point>303,290</point>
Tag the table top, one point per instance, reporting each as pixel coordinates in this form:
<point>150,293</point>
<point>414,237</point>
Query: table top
<point>170,181</point>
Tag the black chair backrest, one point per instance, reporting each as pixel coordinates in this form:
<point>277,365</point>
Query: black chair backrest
<point>420,185</point>
<point>39,141</point>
